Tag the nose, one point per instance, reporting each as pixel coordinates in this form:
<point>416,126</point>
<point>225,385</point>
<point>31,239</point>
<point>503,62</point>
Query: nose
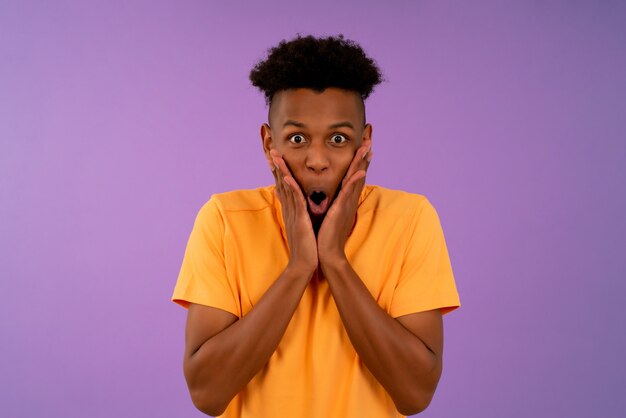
<point>317,158</point>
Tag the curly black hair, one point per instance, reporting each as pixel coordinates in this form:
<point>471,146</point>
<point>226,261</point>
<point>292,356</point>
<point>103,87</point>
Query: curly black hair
<point>316,63</point>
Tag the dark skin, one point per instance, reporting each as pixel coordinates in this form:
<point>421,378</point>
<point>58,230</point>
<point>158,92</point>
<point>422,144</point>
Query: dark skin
<point>223,353</point>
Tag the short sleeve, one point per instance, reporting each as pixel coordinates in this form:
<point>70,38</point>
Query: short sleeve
<point>203,277</point>
<point>426,280</point>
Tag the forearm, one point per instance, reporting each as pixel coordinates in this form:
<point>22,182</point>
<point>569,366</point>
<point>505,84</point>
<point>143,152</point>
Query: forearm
<point>225,363</point>
<point>397,358</point>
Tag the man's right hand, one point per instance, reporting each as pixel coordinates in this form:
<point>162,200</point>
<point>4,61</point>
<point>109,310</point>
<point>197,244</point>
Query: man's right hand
<point>300,236</point>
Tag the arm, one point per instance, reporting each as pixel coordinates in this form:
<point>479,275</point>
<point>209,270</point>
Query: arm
<point>403,354</point>
<point>218,364</point>
<point>222,354</point>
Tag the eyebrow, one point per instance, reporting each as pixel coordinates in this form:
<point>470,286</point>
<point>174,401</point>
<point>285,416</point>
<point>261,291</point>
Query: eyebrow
<point>333,126</point>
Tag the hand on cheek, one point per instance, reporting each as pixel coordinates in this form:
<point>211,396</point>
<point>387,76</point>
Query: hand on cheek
<point>341,216</point>
<point>299,229</point>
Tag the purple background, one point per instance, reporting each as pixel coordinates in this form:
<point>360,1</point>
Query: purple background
<point>118,120</point>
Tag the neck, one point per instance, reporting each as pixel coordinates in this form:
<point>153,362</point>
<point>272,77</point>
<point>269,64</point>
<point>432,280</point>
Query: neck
<point>317,223</point>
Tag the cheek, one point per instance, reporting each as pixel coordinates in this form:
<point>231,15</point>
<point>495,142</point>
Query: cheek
<point>344,160</point>
<point>294,162</point>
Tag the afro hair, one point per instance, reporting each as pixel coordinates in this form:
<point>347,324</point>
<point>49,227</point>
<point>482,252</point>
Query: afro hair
<point>316,63</point>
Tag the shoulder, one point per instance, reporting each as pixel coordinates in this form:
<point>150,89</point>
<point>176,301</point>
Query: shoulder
<point>240,200</point>
<point>380,198</point>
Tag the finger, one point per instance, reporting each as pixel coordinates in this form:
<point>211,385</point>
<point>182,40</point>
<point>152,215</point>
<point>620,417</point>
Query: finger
<point>277,179</point>
<point>352,189</point>
<point>356,162</point>
<point>271,164</point>
<point>282,166</point>
<point>277,169</point>
<point>273,157</point>
<point>298,197</point>
<point>282,189</point>
<point>283,195</point>
<point>354,186</point>
<point>296,193</point>
<point>291,199</point>
<point>284,169</point>
<point>273,169</point>
<point>367,160</point>
<point>354,180</point>
<point>291,187</point>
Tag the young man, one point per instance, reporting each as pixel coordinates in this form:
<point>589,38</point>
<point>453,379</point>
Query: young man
<point>320,295</point>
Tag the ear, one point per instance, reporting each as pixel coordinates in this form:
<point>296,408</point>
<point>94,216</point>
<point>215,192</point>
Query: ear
<point>266,141</point>
<point>366,138</point>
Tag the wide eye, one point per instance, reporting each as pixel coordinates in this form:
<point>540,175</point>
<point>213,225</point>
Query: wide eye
<point>338,139</point>
<point>297,139</point>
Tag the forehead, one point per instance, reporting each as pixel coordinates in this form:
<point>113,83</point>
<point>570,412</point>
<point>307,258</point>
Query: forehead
<point>304,104</point>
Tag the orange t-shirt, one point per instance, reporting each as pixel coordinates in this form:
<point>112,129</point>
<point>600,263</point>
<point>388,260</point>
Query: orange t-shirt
<point>238,247</point>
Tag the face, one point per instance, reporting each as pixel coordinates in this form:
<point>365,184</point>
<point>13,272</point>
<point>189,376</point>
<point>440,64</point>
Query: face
<point>317,135</point>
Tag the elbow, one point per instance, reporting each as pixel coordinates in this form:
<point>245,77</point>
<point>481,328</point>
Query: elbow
<point>413,408</point>
<point>204,397</point>
<point>414,404</point>
<point>203,393</point>
<point>419,394</point>
<point>206,404</point>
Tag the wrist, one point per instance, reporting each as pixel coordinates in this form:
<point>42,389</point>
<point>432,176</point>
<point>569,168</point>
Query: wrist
<point>335,259</point>
<point>299,270</point>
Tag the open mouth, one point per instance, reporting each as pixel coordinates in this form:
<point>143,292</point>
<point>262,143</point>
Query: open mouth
<point>318,202</point>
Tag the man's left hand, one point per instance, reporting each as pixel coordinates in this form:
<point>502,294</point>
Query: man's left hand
<point>341,216</point>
